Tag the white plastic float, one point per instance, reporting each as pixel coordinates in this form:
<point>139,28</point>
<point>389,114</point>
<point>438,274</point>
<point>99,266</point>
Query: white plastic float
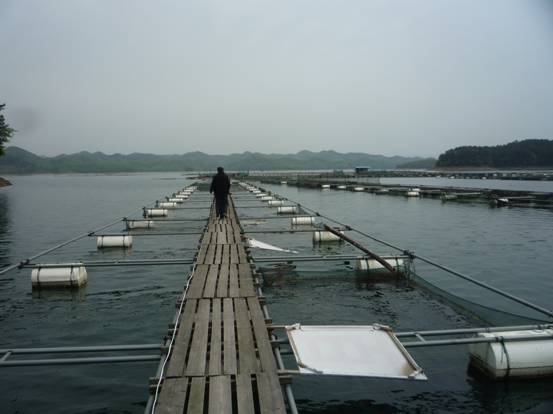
<point>371,265</point>
<point>266,198</point>
<point>275,203</point>
<point>413,192</point>
<point>113,241</point>
<point>325,186</point>
<point>260,195</point>
<point>177,200</point>
<point>62,275</point>
<point>156,212</point>
<point>302,221</point>
<point>283,182</point>
<point>519,358</point>
<point>167,204</point>
<point>323,236</point>
<point>287,210</point>
<point>341,187</point>
<point>358,188</point>
<point>140,224</point>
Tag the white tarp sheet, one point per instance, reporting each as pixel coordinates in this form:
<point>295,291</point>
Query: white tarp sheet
<point>266,246</point>
<point>366,351</point>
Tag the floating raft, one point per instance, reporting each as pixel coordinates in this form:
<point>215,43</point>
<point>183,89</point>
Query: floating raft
<point>221,358</point>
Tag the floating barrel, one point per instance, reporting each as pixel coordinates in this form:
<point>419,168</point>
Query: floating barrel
<point>323,236</point>
<point>371,265</point>
<point>156,212</point>
<point>412,193</point>
<point>341,187</point>
<point>181,196</point>
<point>275,203</point>
<point>140,224</point>
<point>167,204</point>
<point>283,183</point>
<point>256,191</point>
<point>358,188</point>
<point>325,186</point>
<point>61,275</point>
<point>267,198</point>
<point>287,210</point>
<point>259,195</point>
<point>177,200</point>
<point>113,241</point>
<point>301,221</point>
<point>522,358</point>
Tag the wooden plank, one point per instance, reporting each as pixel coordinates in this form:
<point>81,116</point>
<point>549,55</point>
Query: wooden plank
<point>215,363</point>
<point>211,281</point>
<point>210,255</point>
<point>220,397</point>
<point>247,357</point>
<point>234,254</point>
<point>201,253</point>
<point>246,280</point>
<point>226,253</point>
<point>206,239</point>
<point>222,284</point>
<point>234,287</point>
<point>229,340</point>
<point>242,255</point>
<point>198,349</point>
<point>177,362</point>
<point>264,347</point>
<point>196,288</point>
<point>244,394</point>
<point>270,393</point>
<point>172,396</point>
<point>218,253</point>
<point>222,236</point>
<point>197,394</point>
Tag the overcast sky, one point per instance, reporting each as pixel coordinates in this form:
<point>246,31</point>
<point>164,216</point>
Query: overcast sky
<point>379,76</point>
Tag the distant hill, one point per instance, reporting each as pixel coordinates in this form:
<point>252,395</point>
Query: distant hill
<point>424,164</point>
<point>530,153</point>
<point>20,161</point>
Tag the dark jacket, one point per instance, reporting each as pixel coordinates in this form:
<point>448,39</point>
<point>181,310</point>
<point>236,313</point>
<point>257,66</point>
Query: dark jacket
<point>220,184</point>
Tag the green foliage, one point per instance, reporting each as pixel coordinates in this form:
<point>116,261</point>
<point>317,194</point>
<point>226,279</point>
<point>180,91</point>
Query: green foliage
<point>19,161</point>
<point>520,154</point>
<point>5,131</point>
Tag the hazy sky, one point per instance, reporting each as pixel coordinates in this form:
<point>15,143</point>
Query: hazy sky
<point>406,77</point>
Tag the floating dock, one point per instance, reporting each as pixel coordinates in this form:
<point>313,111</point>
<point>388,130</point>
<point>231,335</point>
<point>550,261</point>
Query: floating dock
<point>221,359</point>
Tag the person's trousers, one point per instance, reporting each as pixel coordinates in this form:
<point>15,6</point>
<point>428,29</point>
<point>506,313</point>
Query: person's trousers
<point>221,204</point>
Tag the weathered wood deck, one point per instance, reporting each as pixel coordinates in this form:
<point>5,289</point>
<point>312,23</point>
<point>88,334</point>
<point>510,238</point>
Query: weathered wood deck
<point>222,360</point>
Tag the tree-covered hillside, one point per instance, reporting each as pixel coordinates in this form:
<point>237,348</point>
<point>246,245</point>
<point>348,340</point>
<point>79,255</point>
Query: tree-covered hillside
<point>20,161</point>
<point>530,153</point>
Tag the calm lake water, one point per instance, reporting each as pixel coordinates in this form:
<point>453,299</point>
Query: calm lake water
<point>509,248</point>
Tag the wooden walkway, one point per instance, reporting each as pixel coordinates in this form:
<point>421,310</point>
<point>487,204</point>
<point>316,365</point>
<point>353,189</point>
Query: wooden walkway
<point>222,360</point>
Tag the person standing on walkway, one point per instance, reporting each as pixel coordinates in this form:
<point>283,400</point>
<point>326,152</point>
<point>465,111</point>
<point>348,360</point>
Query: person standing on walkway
<point>220,186</point>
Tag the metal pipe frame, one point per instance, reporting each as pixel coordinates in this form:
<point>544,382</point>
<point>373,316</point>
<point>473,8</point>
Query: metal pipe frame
<point>177,233</point>
<point>475,330</point>
<point>318,258</point>
<point>439,266</point>
<point>76,361</point>
<point>65,243</point>
<point>73,349</point>
<point>475,340</point>
<point>115,263</point>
